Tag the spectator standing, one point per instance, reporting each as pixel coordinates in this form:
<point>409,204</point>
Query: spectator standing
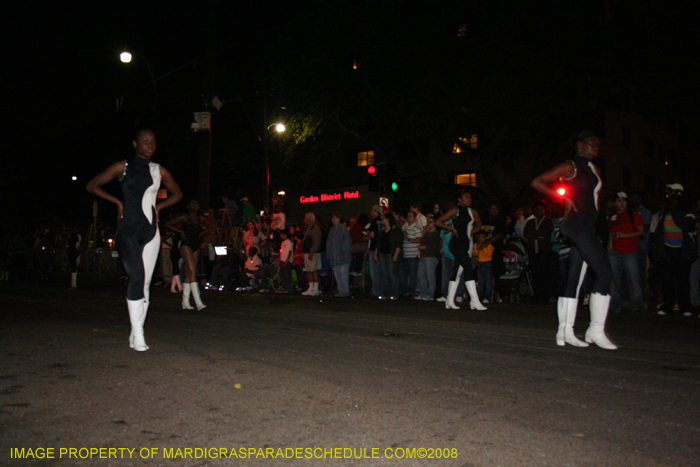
<point>302,282</point>
<point>420,219</point>
<point>247,210</point>
<point>483,251</point>
<point>374,233</point>
<point>311,245</point>
<point>538,233</point>
<point>626,228</point>
<point>359,245</point>
<point>429,252</point>
<point>495,227</point>
<point>338,249</point>
<point>675,244</point>
<point>388,254</point>
<point>286,261</point>
<point>412,234</point>
<point>636,202</point>
<point>232,208</point>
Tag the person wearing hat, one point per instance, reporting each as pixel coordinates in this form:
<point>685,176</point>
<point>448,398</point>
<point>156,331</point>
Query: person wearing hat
<point>247,210</point>
<point>626,228</point>
<point>675,246</point>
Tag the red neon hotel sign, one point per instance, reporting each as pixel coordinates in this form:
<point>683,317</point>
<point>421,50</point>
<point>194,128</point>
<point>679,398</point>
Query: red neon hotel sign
<point>330,197</point>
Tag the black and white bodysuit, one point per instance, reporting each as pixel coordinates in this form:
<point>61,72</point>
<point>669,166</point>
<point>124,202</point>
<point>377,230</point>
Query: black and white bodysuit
<point>461,245</point>
<point>138,238</point>
<point>579,230</point>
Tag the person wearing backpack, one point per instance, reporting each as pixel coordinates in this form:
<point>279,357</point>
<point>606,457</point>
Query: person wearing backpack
<point>626,229</point>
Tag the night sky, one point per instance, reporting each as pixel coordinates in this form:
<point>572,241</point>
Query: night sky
<point>64,80</point>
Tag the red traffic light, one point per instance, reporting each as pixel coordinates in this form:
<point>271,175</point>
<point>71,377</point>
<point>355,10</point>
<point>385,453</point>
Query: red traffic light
<point>372,171</point>
<point>561,191</point>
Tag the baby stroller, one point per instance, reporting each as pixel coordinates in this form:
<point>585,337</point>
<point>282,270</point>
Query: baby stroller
<point>516,279</point>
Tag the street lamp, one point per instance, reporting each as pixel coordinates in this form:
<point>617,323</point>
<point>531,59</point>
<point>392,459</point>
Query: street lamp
<point>126,56</point>
<point>279,127</point>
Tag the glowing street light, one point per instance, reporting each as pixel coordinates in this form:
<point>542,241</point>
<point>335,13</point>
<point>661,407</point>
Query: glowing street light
<point>125,57</point>
<point>279,127</point>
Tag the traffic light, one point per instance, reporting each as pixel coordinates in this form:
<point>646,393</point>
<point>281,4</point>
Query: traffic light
<point>392,177</point>
<point>373,181</point>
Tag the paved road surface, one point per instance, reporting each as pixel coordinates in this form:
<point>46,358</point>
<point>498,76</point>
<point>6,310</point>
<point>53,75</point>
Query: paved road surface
<point>328,377</point>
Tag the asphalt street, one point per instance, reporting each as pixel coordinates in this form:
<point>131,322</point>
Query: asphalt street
<point>290,380</point>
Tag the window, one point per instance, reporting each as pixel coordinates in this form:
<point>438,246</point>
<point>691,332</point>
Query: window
<point>465,143</point>
<point>365,158</point>
<point>462,30</point>
<point>465,179</point>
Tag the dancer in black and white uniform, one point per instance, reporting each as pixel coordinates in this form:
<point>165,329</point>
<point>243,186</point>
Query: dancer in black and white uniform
<point>138,239</point>
<point>578,228</point>
<point>192,228</point>
<point>465,223</point>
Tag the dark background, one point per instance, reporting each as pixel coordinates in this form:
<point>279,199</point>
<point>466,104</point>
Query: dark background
<point>528,73</point>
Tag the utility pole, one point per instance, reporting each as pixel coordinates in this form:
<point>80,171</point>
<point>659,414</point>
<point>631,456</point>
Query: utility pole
<point>204,153</point>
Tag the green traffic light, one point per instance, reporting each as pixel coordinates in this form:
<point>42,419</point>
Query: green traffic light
<point>394,186</point>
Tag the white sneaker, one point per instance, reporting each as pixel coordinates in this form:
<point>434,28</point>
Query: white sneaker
<point>459,299</point>
<point>484,301</point>
<point>687,314</point>
<point>442,299</point>
<point>661,312</point>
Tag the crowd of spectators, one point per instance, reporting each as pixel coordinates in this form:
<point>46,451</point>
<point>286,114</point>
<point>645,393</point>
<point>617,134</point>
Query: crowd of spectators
<point>400,254</point>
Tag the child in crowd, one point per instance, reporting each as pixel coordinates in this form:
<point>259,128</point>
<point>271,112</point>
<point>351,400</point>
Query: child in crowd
<point>483,251</point>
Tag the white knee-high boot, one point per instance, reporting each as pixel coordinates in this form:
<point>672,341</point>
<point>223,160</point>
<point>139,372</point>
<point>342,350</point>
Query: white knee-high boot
<point>598,306</point>
<point>194,287</point>
<point>451,291</point>
<point>566,309</point>
<point>474,302</point>
<point>137,315</point>
<point>186,289</point>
